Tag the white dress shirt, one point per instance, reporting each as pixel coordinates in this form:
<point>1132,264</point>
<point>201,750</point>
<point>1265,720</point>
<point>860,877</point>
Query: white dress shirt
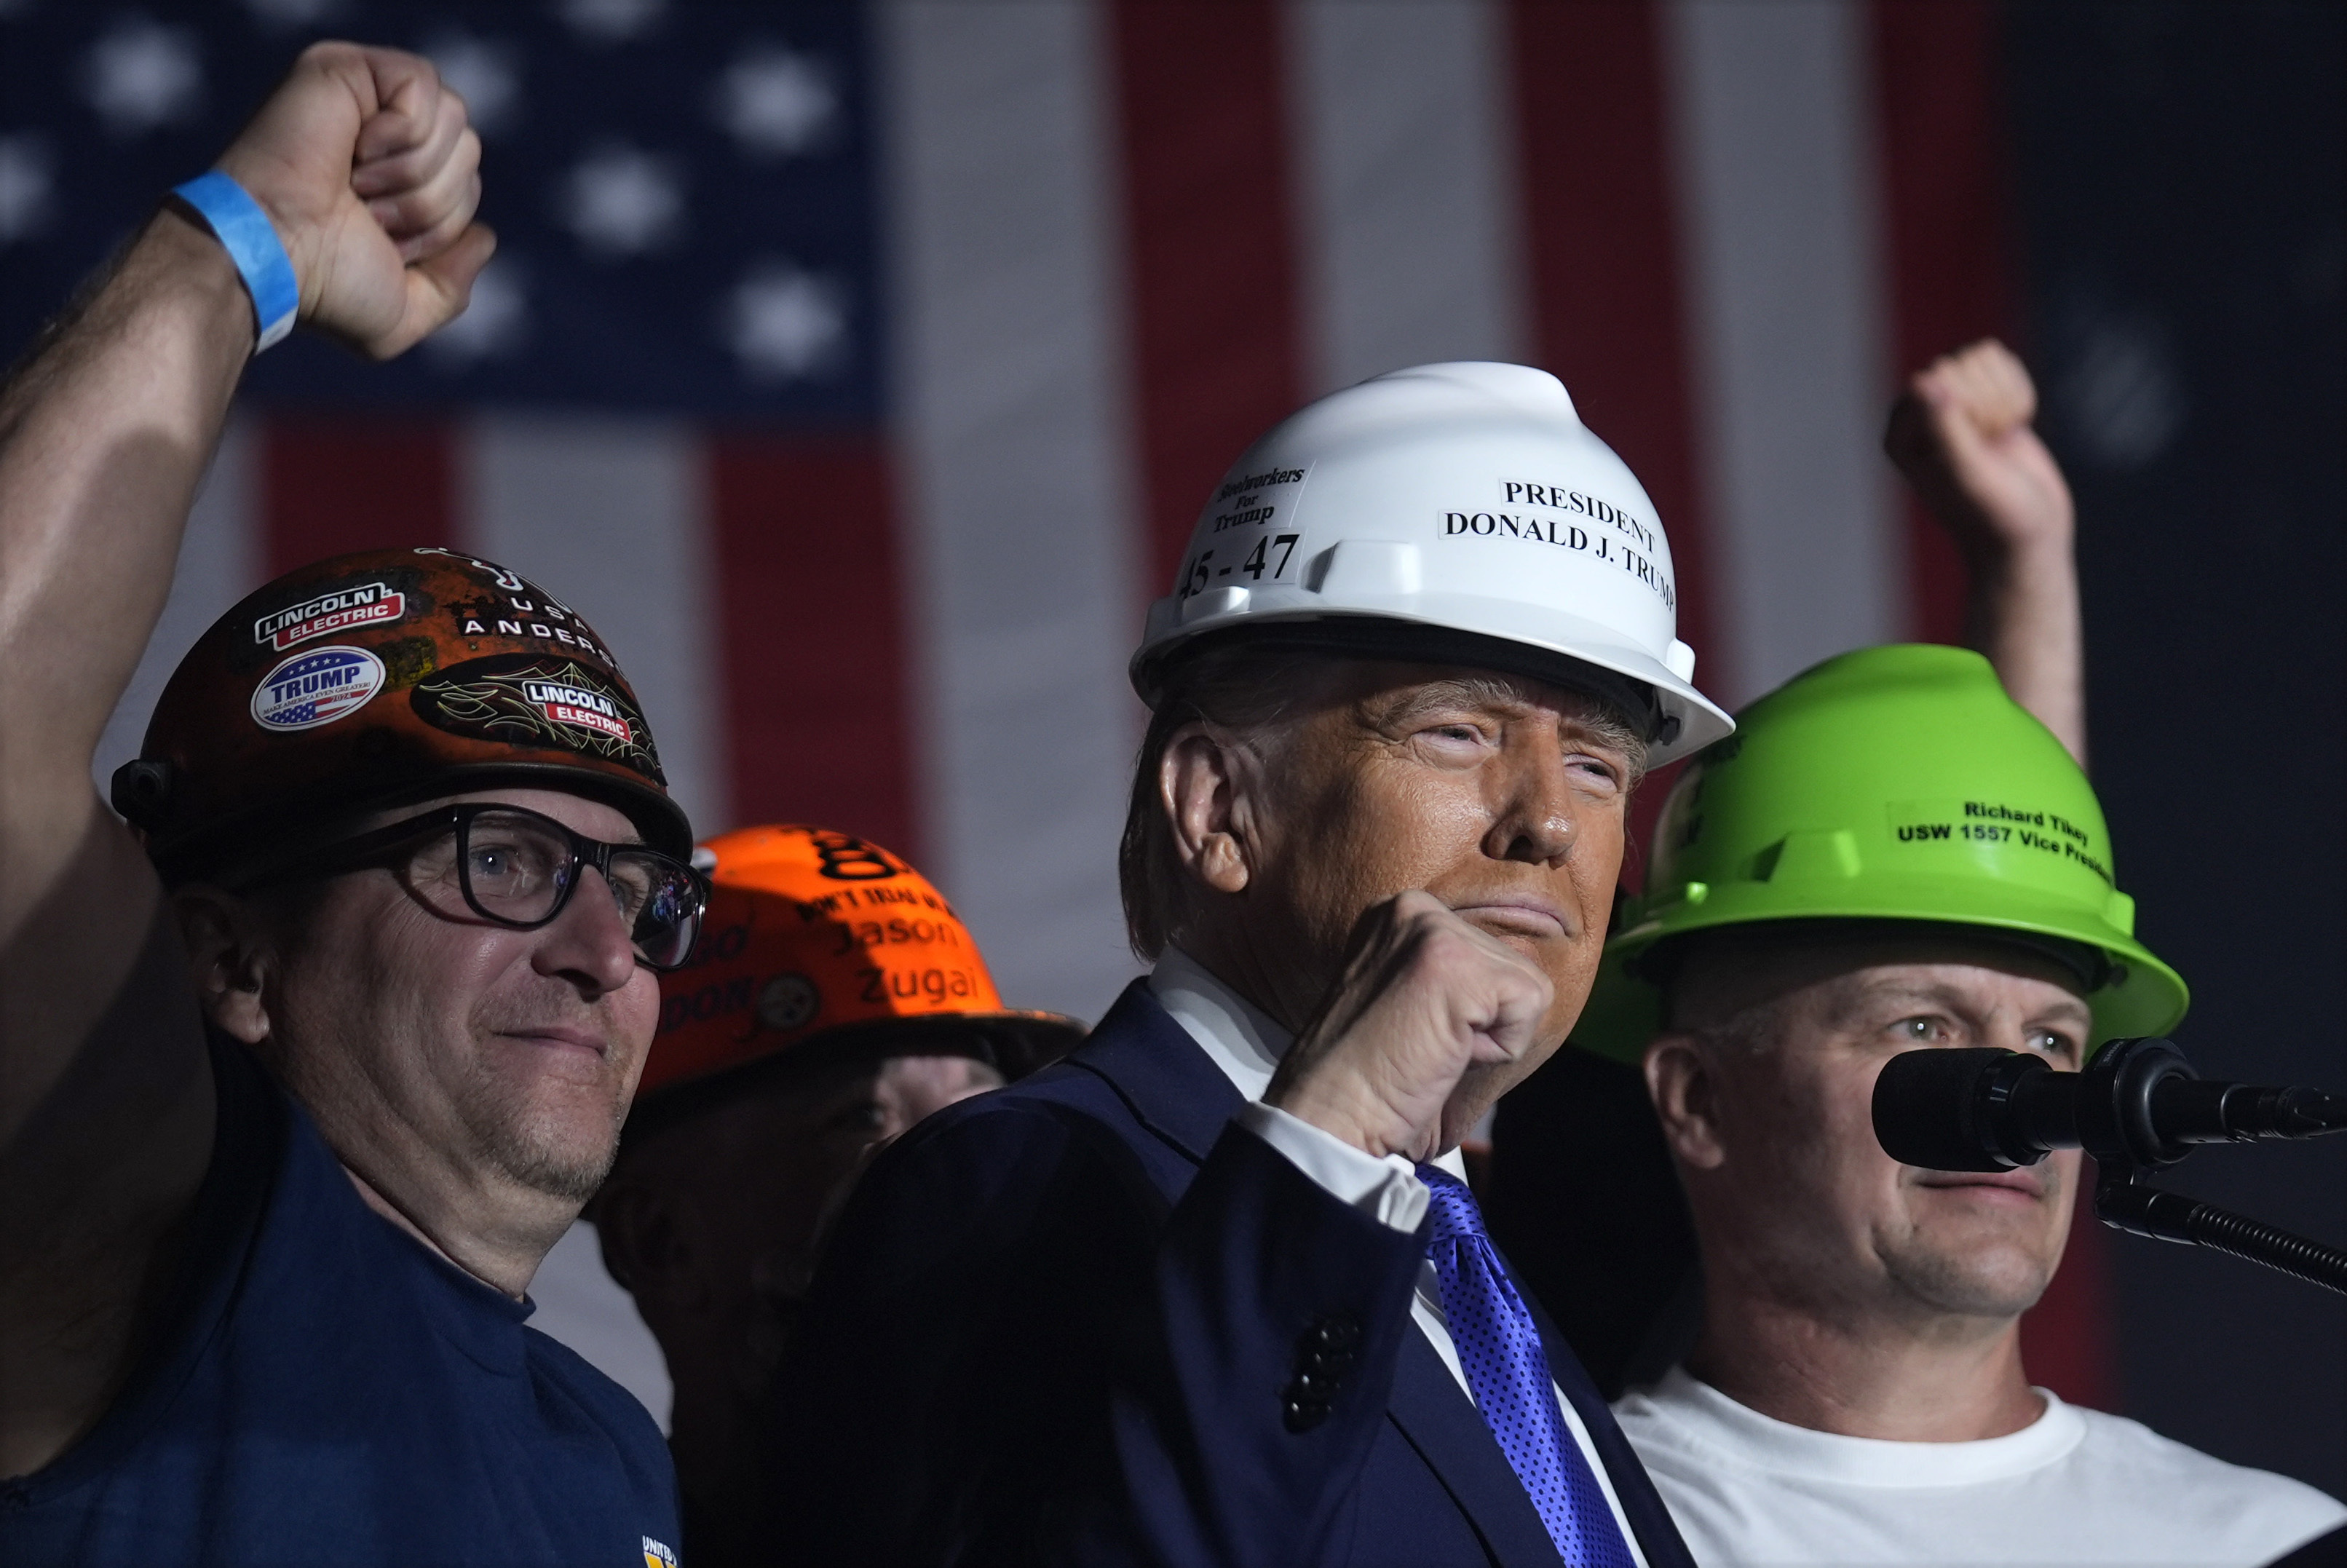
<point>1247,1045</point>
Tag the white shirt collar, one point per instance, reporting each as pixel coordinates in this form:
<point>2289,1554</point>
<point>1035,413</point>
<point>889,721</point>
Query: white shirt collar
<point>1237,1036</point>
<point>1714,1425</point>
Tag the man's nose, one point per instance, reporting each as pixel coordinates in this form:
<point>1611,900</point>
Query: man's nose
<point>589,944</point>
<point>1535,821</point>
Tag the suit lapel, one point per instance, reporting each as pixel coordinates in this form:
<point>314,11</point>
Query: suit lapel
<point>1175,1092</point>
<point>1443,1425</point>
<point>1171,1086</point>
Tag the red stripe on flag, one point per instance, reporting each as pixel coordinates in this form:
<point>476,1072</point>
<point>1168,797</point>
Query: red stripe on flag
<point>812,635</point>
<point>1950,242</point>
<point>334,485</point>
<point>1605,277</point>
<point>1949,228</point>
<point>1213,305</point>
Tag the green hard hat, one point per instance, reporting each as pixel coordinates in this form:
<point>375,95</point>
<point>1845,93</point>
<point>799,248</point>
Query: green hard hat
<point>1891,784</point>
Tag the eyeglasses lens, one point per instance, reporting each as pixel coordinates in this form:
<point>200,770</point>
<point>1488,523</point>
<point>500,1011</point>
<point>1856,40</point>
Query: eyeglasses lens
<point>515,867</point>
<point>661,903</point>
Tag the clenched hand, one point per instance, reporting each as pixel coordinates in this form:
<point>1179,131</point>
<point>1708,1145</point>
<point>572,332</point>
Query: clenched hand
<point>1962,436</point>
<point>364,162</point>
<point>1424,999</point>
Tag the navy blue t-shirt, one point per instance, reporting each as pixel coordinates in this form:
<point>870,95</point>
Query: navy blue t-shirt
<point>326,1390</point>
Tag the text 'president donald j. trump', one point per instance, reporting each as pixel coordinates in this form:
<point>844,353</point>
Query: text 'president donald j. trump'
<point>1212,1290</point>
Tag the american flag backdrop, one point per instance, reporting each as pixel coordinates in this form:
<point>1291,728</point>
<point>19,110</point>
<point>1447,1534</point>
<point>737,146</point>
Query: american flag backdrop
<point>858,370</point>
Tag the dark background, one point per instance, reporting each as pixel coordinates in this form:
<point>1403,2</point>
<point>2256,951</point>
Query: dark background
<point>2179,171</point>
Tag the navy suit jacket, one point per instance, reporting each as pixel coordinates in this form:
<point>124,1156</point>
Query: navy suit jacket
<point>1064,1323</point>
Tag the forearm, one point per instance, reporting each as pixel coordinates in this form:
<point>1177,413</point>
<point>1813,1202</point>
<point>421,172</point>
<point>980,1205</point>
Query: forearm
<point>2023,613</point>
<point>103,438</point>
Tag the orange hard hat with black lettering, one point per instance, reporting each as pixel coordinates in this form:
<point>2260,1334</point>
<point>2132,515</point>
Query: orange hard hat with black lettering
<point>812,933</point>
<point>375,680</point>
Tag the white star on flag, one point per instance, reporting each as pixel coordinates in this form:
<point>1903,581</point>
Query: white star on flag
<point>288,15</point>
<point>611,21</point>
<point>776,103</point>
<point>483,75</point>
<point>141,75</point>
<point>785,323</point>
<point>25,184</point>
<point>622,201</point>
<point>493,325</point>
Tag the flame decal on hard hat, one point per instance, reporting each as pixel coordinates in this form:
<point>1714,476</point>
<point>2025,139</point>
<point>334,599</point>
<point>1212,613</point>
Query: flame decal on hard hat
<point>533,702</point>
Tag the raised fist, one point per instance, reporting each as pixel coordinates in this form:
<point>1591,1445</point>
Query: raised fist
<point>1962,435</point>
<point>1425,1000</point>
<point>365,163</point>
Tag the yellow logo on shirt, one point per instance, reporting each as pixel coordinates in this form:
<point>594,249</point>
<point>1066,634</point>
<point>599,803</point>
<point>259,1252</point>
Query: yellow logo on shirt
<point>657,1554</point>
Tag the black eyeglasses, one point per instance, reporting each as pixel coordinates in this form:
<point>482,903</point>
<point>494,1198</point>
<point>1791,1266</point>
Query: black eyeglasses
<point>516,868</point>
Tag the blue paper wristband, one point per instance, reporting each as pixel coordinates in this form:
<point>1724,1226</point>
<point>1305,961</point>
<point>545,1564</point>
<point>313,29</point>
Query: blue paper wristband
<point>251,241</point>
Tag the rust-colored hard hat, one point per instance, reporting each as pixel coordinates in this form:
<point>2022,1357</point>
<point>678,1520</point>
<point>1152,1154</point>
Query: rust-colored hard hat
<point>371,679</point>
<point>812,933</point>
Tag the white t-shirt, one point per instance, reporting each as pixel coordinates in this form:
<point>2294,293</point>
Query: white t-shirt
<point>2075,1486</point>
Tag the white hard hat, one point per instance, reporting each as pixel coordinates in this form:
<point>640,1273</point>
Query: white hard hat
<point>1468,503</point>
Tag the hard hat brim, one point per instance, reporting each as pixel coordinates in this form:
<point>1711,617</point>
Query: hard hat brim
<point>1545,645</point>
<point>1016,1042</point>
<point>242,845</point>
<point>1624,1014</point>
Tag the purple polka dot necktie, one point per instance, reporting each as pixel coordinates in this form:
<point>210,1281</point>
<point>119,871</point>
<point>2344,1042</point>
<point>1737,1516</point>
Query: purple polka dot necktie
<point>1500,1350</point>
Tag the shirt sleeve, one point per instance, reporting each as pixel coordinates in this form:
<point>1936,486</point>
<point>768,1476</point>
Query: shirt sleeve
<point>1386,1188</point>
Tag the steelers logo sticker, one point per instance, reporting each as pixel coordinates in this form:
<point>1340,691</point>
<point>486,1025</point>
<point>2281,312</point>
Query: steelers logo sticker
<point>788,1001</point>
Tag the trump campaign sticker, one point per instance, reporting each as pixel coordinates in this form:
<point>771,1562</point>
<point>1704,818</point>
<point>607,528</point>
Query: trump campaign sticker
<point>316,688</point>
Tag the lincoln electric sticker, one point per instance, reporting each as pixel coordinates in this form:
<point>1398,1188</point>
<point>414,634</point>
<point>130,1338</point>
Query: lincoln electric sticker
<point>362,604</point>
<point>527,700</point>
<point>316,688</point>
<point>582,707</point>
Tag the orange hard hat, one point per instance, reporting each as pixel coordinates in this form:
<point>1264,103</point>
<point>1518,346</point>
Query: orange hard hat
<point>816,933</point>
<point>377,678</point>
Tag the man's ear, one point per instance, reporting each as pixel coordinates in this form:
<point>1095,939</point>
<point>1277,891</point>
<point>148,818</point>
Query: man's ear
<point>1205,786</point>
<point>229,960</point>
<point>1685,1089</point>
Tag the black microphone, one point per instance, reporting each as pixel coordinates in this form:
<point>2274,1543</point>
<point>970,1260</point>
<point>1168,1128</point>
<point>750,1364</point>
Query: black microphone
<point>2138,1101</point>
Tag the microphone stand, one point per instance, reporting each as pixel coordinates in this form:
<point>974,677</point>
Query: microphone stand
<point>2124,1201</point>
<point>2114,1126</point>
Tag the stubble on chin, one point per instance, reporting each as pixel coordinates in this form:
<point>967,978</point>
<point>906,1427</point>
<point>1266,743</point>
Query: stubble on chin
<point>1971,1277</point>
<point>550,1166</point>
<point>537,1147</point>
<point>1955,1285</point>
